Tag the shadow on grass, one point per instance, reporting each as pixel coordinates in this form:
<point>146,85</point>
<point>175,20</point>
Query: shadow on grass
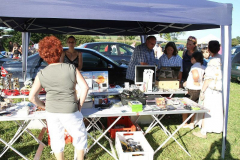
<point>170,122</point>
<point>217,147</point>
<point>24,150</point>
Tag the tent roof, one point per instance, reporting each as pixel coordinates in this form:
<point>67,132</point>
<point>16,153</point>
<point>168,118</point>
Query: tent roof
<point>113,17</point>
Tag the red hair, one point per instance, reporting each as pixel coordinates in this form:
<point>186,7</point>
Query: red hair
<point>50,49</point>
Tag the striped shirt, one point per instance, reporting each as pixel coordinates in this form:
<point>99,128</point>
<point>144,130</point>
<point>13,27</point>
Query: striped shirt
<point>140,54</point>
<point>174,61</point>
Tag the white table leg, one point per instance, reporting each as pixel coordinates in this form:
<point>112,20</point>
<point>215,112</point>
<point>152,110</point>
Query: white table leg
<point>171,135</point>
<point>19,132</point>
<point>10,146</point>
<point>103,134</point>
<point>154,122</point>
<point>28,131</point>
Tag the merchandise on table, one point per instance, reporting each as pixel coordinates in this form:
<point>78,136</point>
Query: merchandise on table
<point>136,106</point>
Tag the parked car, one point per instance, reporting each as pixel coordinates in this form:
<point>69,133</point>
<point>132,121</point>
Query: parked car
<point>92,61</point>
<point>180,47</point>
<point>119,52</point>
<point>4,59</point>
<point>235,50</point>
<point>235,72</point>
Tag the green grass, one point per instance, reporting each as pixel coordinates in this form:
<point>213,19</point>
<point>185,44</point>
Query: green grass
<point>209,148</point>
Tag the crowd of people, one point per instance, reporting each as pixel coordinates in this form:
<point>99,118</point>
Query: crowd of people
<point>15,50</point>
<point>61,76</point>
<point>200,73</point>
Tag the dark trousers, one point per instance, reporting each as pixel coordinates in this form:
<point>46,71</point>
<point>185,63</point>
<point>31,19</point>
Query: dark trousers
<point>194,95</point>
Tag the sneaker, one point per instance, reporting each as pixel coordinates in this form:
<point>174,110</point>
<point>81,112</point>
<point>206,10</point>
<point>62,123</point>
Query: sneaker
<point>199,134</point>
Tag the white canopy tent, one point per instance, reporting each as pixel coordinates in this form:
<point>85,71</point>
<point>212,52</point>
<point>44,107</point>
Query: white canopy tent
<point>125,17</point>
<point>203,42</point>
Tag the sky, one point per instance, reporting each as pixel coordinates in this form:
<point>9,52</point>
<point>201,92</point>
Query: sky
<point>217,32</point>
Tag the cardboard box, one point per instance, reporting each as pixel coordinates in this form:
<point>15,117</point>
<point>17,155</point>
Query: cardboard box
<point>136,106</point>
<point>167,84</point>
<point>101,78</point>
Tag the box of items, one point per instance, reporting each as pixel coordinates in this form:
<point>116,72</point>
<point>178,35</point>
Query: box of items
<point>133,146</point>
<point>168,78</point>
<point>136,106</point>
<point>167,84</point>
<point>124,124</point>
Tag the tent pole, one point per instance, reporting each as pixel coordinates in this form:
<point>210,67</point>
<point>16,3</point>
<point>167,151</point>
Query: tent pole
<point>25,42</point>
<point>226,42</point>
<point>143,38</point>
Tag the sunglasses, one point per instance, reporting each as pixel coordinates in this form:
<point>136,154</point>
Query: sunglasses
<point>71,42</point>
<point>191,38</point>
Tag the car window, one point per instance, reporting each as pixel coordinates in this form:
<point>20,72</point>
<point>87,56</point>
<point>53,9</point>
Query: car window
<point>236,59</point>
<point>92,61</point>
<point>103,48</point>
<point>95,48</point>
<point>233,50</point>
<point>237,50</point>
<point>125,50</point>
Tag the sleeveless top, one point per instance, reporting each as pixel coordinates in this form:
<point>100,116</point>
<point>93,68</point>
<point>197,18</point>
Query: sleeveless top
<point>59,81</point>
<point>67,60</point>
<point>186,65</point>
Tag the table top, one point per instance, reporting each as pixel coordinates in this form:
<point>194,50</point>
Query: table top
<point>111,112</point>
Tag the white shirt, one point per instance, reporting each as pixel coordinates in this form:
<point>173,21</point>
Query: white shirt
<point>190,82</point>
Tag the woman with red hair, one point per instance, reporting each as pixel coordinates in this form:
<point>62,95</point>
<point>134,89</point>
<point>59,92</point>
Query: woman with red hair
<point>63,109</point>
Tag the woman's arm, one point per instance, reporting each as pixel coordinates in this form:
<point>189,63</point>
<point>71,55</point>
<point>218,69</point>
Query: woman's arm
<point>62,57</point>
<point>205,84</point>
<point>80,61</point>
<point>195,75</point>
<point>33,96</point>
<point>84,88</point>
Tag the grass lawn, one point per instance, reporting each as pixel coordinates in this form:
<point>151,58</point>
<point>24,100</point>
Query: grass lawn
<point>209,148</point>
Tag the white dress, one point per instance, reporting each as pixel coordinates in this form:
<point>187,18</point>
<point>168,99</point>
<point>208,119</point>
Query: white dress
<point>213,120</point>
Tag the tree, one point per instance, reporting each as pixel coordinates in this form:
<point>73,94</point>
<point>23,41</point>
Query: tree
<point>119,38</point>
<point>235,42</point>
<point>171,36</point>
<point>238,38</point>
<point>130,37</point>
<point>81,39</point>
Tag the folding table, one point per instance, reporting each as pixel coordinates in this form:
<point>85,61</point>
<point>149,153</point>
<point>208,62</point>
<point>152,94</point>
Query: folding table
<point>22,122</point>
<point>126,111</point>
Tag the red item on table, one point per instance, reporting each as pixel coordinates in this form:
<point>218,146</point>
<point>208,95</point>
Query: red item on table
<point>11,92</point>
<point>25,92</point>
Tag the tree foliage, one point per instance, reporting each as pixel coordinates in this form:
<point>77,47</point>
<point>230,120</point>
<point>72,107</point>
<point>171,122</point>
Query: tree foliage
<point>130,37</point>
<point>171,36</point>
<point>236,41</point>
<point>81,39</point>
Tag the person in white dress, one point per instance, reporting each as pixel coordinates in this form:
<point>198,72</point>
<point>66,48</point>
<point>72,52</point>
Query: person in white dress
<point>211,93</point>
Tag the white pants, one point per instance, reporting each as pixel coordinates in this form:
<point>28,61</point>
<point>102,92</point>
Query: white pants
<point>73,123</point>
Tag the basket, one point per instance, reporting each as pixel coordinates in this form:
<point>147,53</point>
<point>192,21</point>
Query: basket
<point>146,154</point>
<point>125,121</point>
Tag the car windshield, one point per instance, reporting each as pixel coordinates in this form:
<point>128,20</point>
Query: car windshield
<point>233,50</point>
